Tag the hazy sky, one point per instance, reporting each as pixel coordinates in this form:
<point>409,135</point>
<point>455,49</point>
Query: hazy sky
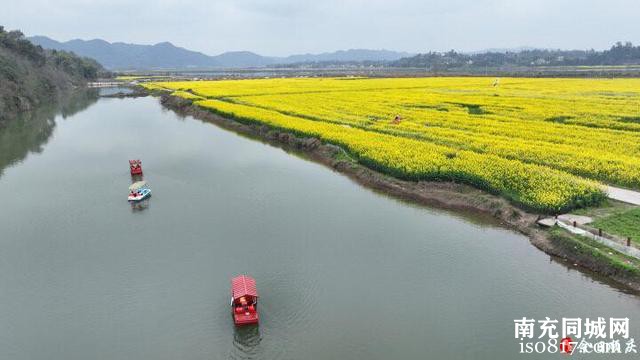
<point>282,27</point>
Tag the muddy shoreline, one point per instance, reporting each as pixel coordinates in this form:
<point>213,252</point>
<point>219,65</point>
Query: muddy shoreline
<point>441,195</point>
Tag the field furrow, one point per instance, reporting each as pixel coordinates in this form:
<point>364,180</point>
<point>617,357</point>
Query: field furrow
<point>539,142</point>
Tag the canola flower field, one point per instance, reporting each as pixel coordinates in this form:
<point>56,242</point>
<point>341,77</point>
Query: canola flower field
<point>547,144</point>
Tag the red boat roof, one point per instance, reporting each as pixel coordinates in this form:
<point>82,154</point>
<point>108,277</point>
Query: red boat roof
<point>243,285</point>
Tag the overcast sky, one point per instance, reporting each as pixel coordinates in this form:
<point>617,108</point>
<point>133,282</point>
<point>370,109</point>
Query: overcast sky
<point>283,27</point>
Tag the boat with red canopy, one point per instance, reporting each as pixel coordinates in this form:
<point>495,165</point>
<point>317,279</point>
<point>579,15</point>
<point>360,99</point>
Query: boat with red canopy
<point>135,166</point>
<point>244,300</point>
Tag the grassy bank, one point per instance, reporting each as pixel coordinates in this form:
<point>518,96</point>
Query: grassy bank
<point>596,256</point>
<point>625,224</point>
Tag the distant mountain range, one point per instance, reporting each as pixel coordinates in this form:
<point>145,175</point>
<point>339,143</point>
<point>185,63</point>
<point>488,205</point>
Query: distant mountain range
<point>345,56</point>
<point>164,55</point>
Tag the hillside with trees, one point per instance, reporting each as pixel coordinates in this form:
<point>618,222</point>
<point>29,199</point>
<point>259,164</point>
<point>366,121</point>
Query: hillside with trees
<point>619,54</point>
<point>31,75</point>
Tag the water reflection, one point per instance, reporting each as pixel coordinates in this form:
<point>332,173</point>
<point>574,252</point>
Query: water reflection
<point>136,177</point>
<point>246,341</point>
<point>31,130</point>
<point>108,91</point>
<point>137,206</point>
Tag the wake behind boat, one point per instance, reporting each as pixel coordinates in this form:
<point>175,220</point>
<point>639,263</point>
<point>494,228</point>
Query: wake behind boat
<point>139,190</point>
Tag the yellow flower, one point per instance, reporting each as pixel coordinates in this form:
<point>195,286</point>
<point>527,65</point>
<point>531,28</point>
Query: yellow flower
<point>540,142</point>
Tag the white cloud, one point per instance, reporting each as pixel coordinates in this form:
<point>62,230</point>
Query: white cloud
<point>278,27</point>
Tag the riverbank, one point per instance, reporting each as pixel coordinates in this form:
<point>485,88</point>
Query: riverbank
<point>224,204</point>
<point>443,195</point>
<point>31,76</point>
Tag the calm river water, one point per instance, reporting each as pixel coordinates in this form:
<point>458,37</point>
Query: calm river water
<point>343,272</point>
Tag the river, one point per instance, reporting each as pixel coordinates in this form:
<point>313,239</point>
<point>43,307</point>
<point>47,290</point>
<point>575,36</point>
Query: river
<point>343,272</point>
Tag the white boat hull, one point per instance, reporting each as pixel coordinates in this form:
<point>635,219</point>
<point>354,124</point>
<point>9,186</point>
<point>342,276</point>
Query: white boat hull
<point>139,196</point>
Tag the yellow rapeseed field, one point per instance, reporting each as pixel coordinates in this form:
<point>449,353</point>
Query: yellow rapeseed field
<point>543,143</point>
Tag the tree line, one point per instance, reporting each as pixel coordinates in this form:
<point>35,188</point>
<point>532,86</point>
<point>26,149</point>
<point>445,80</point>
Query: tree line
<point>31,76</point>
<point>619,54</point>
<point>79,68</point>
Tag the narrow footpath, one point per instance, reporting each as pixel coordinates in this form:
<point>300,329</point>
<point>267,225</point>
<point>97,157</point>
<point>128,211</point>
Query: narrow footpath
<point>624,195</point>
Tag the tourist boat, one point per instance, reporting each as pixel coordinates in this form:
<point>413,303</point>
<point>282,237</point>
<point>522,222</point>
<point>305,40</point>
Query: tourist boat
<point>244,300</point>
<point>136,167</point>
<point>139,190</point>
